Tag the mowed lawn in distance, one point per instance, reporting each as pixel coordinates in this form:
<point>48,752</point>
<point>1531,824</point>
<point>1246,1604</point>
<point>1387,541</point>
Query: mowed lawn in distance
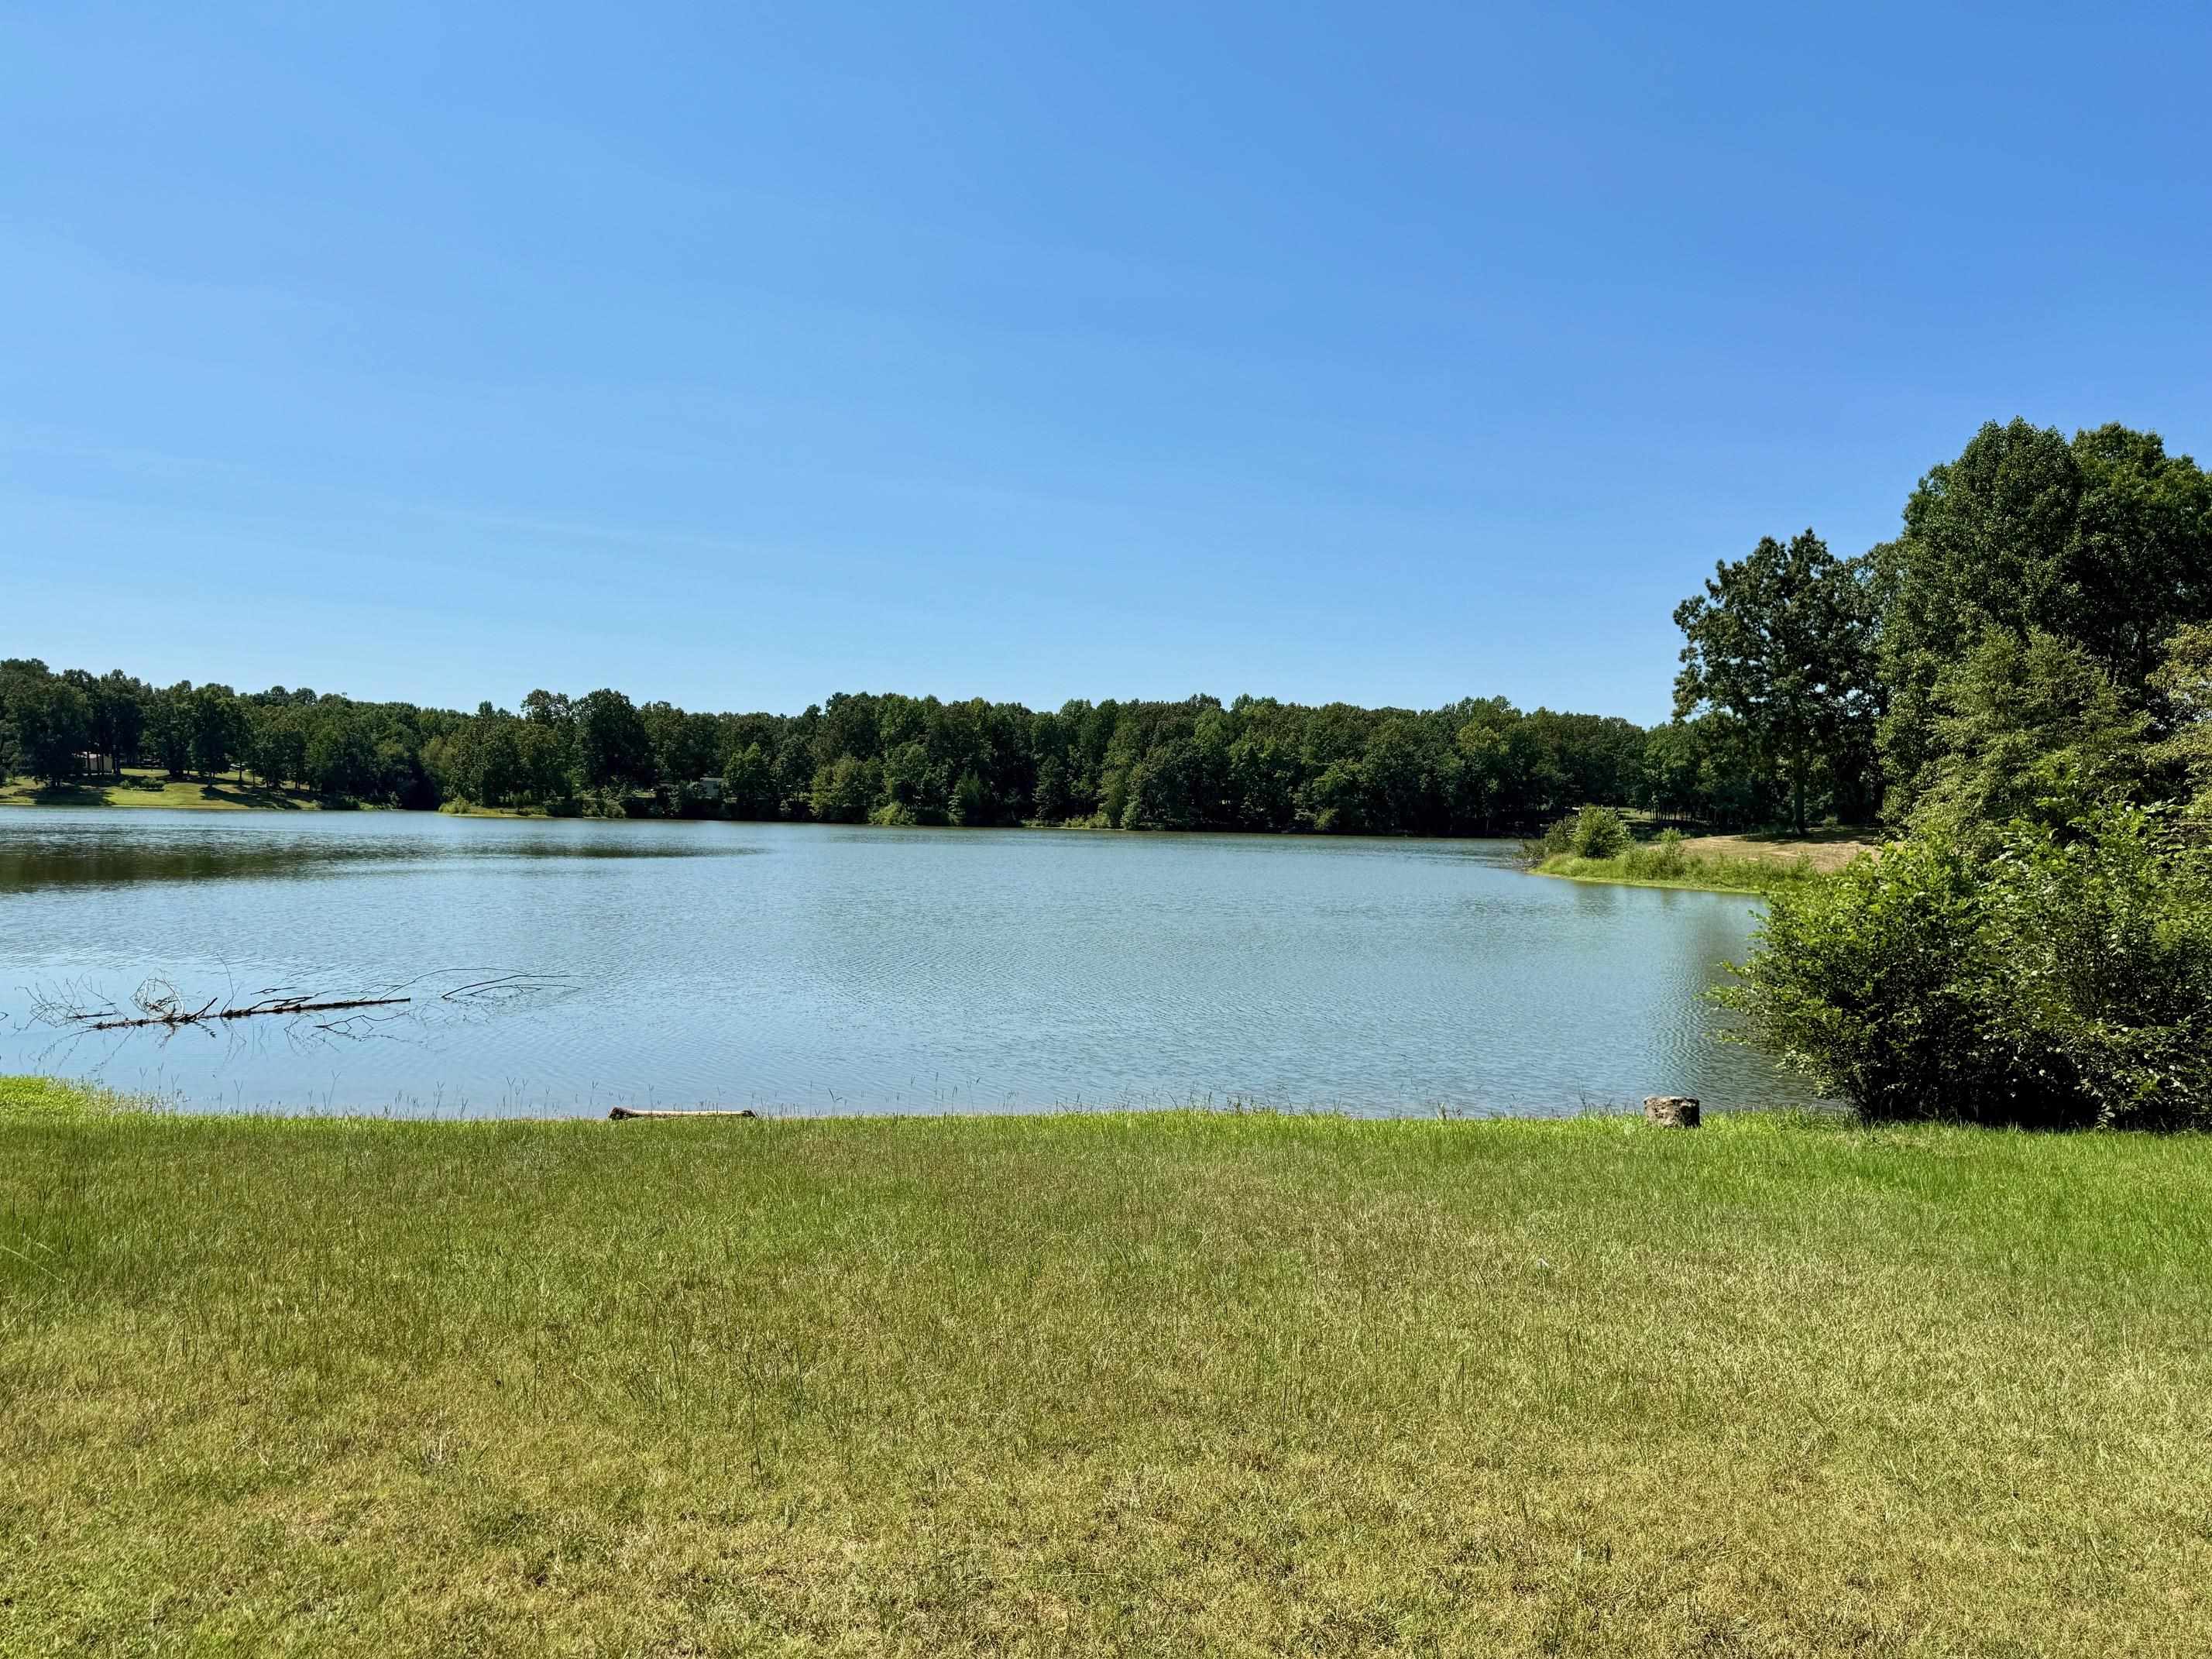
<point>1146,1383</point>
<point>148,787</point>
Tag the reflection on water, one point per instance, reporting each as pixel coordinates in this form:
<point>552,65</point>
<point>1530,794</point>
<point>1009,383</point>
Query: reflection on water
<point>814,968</point>
<point>107,853</point>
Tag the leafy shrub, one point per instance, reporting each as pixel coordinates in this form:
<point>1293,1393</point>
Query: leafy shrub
<point>1599,832</point>
<point>1551,844</point>
<point>2063,980</point>
<point>1663,860</point>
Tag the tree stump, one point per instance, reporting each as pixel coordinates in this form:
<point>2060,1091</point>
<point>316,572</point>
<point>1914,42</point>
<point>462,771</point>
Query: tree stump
<point>1671,1111</point>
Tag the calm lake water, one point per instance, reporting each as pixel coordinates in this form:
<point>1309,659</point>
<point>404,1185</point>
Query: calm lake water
<point>818,969</point>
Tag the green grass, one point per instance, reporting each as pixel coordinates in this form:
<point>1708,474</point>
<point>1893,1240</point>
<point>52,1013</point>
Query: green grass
<point>141,788</point>
<point>1144,1385</point>
<point>1652,866</point>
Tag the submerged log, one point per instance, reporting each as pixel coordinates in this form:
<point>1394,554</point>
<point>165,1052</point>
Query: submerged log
<point>621,1112</point>
<point>1671,1111</point>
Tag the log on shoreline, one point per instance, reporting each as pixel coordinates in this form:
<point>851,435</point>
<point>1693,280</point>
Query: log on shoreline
<point>621,1112</point>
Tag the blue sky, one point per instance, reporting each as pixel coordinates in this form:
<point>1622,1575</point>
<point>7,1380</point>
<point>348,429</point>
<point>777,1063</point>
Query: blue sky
<point>738,354</point>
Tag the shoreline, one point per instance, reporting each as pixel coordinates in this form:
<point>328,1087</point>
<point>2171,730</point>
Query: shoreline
<point>34,1098</point>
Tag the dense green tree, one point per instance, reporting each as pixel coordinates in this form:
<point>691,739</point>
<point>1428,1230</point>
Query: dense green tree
<point>846,790</point>
<point>1051,801</point>
<point>2104,540</point>
<point>341,758</point>
<point>168,729</point>
<point>115,702</point>
<point>1779,640</point>
<point>2183,683</point>
<point>913,786</point>
<point>277,742</point>
<point>684,747</point>
<point>217,729</point>
<point>52,722</point>
<point>748,788</point>
<point>613,748</point>
<point>2030,729</point>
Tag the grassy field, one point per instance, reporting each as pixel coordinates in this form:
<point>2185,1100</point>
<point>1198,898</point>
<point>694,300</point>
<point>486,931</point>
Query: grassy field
<point>139,787</point>
<point>1144,1385</point>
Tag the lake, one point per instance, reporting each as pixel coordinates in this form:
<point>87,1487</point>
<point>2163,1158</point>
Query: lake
<point>818,969</point>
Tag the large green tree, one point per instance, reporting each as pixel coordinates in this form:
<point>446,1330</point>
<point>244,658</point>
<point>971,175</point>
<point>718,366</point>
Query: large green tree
<point>169,727</point>
<point>2103,540</point>
<point>1780,639</point>
<point>614,750</point>
<point>53,723</point>
<point>218,730</point>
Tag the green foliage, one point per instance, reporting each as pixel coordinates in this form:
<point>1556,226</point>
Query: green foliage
<point>341,758</point>
<point>1666,862</point>
<point>614,750</point>
<point>1471,767</point>
<point>50,719</point>
<point>1781,641</point>
<point>749,782</point>
<point>218,733</point>
<point>2028,729</point>
<point>845,790</point>
<point>2103,541</point>
<point>1595,832</point>
<point>1598,832</point>
<point>2057,979</point>
<point>168,728</point>
<point>2183,681</point>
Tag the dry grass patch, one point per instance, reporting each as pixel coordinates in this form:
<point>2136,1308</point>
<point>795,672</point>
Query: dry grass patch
<point>1826,849</point>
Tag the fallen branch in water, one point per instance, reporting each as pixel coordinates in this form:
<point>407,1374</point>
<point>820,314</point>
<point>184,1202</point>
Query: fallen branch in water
<point>159,1005</point>
<point>209,1011</point>
<point>353,1011</point>
<point>621,1112</point>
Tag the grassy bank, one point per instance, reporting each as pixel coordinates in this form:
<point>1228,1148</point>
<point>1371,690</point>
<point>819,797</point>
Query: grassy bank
<point>1166,1383</point>
<point>1655,867</point>
<point>1732,864</point>
<point>143,787</point>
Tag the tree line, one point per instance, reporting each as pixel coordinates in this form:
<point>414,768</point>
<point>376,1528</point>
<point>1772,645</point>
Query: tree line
<point>1478,766</point>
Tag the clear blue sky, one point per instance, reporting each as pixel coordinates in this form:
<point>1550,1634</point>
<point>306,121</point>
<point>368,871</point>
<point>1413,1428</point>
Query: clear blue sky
<point>738,354</point>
